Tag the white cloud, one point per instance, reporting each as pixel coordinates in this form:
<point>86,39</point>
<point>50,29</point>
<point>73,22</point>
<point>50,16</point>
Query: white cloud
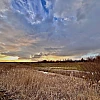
<point>76,36</point>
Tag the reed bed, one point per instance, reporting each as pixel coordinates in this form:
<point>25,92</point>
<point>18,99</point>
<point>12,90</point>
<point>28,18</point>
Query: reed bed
<point>29,84</point>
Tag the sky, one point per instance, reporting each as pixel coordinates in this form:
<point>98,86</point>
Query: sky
<point>35,30</point>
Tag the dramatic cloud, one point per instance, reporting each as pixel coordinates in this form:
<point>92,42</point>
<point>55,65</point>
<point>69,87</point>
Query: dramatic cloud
<point>39,29</point>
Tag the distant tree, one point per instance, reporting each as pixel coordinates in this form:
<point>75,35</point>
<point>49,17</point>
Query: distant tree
<point>82,60</point>
<point>97,59</point>
<point>44,61</point>
<point>90,59</point>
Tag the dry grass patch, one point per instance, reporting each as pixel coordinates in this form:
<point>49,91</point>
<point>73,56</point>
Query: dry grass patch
<point>28,84</point>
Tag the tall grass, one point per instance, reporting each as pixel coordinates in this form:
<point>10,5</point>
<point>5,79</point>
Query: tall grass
<point>28,84</point>
<point>93,66</point>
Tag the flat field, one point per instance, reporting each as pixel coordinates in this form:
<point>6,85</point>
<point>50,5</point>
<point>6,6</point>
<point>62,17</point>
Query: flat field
<point>46,81</point>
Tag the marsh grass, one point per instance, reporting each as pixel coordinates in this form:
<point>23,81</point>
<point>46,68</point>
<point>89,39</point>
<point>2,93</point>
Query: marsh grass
<point>23,83</point>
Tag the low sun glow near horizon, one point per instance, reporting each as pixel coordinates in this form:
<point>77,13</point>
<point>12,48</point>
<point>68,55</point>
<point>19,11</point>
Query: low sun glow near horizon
<point>4,58</point>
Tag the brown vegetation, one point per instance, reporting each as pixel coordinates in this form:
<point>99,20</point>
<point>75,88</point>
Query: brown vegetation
<point>21,82</point>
